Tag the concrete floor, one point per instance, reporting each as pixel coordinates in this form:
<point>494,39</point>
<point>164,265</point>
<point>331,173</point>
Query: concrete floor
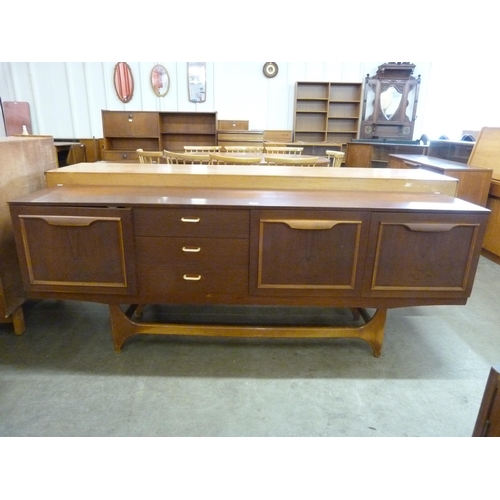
<point>62,377</point>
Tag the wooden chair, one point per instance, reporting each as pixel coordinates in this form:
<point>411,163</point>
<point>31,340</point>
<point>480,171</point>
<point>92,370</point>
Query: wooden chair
<point>244,149</point>
<point>201,149</point>
<point>185,158</point>
<point>149,156</point>
<point>337,157</point>
<point>222,159</point>
<point>288,160</point>
<point>283,150</point>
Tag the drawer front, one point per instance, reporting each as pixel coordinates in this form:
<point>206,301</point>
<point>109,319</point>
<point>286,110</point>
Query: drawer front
<point>192,221</point>
<point>191,265</point>
<point>135,124</point>
<point>121,156</point>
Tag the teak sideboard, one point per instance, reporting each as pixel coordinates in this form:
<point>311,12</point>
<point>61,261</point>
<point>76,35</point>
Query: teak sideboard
<point>129,246</point>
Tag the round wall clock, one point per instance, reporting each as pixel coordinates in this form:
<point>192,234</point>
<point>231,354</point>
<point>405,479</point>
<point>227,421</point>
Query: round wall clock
<point>270,69</point>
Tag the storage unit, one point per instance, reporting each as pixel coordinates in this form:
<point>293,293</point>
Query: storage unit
<point>23,162</point>
<point>126,131</point>
<point>232,125</point>
<point>133,245</point>
<point>368,154</point>
<point>486,154</point>
<point>240,138</point>
<point>327,112</point>
<point>473,182</point>
<point>451,150</point>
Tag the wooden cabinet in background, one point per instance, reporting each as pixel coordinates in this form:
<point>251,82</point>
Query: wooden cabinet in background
<point>126,131</point>
<point>369,154</point>
<point>240,138</point>
<point>327,112</point>
<point>232,125</point>
<point>459,151</point>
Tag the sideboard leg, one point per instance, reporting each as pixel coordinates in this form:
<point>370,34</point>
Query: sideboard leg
<point>16,318</point>
<point>121,326</point>
<point>18,321</point>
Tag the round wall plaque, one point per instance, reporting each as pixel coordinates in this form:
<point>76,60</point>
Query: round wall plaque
<point>270,69</point>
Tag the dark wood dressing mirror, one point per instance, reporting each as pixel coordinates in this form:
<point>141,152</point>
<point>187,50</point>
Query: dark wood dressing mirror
<point>390,102</point>
<point>124,82</point>
<point>160,81</point>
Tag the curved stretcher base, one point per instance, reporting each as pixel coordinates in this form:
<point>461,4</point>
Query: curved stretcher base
<point>372,331</point>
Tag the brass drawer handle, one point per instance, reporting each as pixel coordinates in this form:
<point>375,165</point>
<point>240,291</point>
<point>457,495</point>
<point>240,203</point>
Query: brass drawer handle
<point>188,219</point>
<point>192,278</point>
<point>191,249</point>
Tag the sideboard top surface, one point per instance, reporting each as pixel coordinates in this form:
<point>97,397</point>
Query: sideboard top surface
<point>137,196</point>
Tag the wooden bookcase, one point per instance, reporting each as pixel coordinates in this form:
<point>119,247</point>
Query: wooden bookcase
<point>327,112</point>
<point>126,131</point>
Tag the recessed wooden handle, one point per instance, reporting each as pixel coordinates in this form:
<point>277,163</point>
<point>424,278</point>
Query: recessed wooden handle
<point>66,220</point>
<point>310,224</point>
<point>429,227</point>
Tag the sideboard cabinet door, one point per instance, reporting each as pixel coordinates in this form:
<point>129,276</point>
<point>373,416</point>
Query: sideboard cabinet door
<point>79,250</point>
<point>307,253</point>
<point>419,255</point>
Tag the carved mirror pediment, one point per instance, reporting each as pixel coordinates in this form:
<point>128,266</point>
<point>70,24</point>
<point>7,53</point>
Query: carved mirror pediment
<point>124,82</point>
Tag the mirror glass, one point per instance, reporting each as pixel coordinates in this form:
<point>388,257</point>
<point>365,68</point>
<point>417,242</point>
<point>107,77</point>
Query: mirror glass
<point>124,82</point>
<point>390,100</point>
<point>197,81</point>
<point>160,81</point>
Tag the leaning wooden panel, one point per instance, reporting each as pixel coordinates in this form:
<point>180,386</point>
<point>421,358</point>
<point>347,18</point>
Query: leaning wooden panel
<point>23,162</point>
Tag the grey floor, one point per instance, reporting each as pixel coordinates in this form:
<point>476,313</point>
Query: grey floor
<point>62,377</point>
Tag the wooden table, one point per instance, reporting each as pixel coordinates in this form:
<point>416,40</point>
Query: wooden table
<point>127,246</point>
<point>473,182</point>
<point>253,177</point>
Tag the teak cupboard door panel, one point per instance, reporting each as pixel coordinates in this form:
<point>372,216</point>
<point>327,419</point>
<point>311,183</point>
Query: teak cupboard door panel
<point>307,253</point>
<point>130,124</point>
<point>82,250</point>
<point>422,256</point>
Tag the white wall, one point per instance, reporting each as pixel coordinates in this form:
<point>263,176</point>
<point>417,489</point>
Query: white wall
<point>66,98</point>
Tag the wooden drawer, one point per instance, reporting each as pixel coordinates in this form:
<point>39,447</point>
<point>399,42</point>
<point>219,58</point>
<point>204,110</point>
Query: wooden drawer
<point>130,124</point>
<point>192,221</point>
<point>191,265</point>
<point>121,156</point>
<point>278,135</point>
<point>232,125</point>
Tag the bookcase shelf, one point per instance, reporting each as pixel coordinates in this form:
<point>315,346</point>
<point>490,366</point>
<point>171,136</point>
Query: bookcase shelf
<point>327,111</point>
